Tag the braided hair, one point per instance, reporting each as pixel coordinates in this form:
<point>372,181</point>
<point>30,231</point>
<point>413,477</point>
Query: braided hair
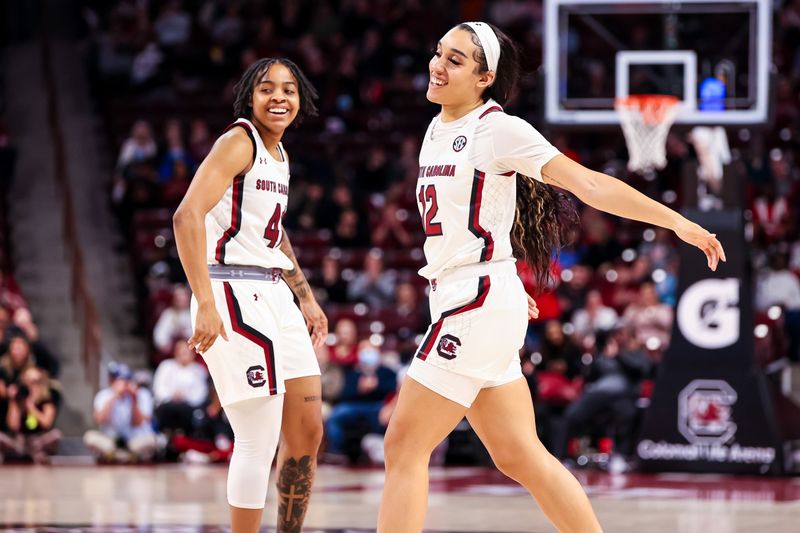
<point>544,217</point>
<point>243,90</point>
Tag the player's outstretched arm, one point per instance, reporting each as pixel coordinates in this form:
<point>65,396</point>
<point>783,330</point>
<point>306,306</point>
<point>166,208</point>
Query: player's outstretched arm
<point>611,195</point>
<point>315,318</point>
<point>230,156</point>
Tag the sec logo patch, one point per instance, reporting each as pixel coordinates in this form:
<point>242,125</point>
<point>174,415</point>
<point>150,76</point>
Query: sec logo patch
<point>459,143</point>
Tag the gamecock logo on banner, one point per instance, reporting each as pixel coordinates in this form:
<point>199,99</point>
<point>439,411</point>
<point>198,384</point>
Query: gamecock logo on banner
<point>705,408</point>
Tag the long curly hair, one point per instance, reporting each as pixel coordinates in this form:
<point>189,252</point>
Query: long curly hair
<point>543,224</point>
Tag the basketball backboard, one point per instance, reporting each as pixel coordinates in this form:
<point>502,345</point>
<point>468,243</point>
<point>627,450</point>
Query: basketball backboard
<point>714,55</point>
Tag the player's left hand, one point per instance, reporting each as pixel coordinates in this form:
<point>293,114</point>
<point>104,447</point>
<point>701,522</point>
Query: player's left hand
<point>316,321</point>
<point>533,310</point>
<point>696,235</point>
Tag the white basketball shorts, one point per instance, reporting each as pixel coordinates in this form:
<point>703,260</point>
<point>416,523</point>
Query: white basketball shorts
<point>480,319</point>
<point>268,342</point>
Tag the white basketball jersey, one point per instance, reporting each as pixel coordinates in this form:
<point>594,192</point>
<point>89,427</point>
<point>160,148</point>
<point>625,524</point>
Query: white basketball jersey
<point>466,190</point>
<point>244,228</point>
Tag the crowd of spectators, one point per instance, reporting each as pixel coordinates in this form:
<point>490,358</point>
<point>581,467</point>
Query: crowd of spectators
<point>30,394</point>
<point>163,73</point>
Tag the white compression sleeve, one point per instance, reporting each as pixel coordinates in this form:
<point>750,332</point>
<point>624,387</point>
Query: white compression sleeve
<point>256,427</point>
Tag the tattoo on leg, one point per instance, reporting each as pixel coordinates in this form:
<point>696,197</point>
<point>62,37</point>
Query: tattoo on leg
<point>294,491</point>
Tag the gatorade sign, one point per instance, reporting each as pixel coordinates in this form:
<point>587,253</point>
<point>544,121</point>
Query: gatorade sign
<point>708,313</point>
<point>710,410</point>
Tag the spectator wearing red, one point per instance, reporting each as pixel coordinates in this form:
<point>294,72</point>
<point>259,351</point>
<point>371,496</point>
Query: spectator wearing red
<point>344,350</point>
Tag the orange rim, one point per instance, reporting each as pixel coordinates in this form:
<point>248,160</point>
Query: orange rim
<point>653,107</point>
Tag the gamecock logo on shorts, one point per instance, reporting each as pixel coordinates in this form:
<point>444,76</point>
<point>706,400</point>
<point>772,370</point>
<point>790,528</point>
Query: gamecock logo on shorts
<point>255,376</point>
<point>459,143</point>
<point>705,411</point>
<point>448,346</point>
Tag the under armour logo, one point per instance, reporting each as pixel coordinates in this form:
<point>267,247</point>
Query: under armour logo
<point>262,160</point>
<point>255,297</point>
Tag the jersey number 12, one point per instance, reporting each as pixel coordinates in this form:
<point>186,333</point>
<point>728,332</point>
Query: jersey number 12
<point>430,207</point>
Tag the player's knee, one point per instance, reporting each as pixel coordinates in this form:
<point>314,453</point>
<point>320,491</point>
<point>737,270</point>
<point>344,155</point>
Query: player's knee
<point>258,448</point>
<point>520,461</point>
<point>304,436</point>
<point>401,451</point>
<point>510,463</point>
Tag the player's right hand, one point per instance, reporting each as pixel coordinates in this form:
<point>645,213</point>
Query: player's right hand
<point>207,326</point>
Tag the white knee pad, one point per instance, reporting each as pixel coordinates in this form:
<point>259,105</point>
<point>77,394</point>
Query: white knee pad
<point>256,427</point>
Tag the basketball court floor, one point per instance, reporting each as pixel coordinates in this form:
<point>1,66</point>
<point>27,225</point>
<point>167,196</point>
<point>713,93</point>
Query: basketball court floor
<point>183,498</point>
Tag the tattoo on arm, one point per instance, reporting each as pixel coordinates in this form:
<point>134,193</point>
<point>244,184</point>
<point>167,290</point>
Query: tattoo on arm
<point>313,398</point>
<point>300,288</point>
<point>294,491</point>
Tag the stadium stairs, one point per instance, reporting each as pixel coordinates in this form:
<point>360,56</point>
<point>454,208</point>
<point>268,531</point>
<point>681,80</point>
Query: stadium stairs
<point>37,211</point>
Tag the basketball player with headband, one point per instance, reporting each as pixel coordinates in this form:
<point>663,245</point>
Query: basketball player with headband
<point>487,191</point>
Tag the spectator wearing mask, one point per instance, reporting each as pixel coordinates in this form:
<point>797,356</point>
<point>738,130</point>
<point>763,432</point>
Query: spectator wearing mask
<point>180,387</point>
<point>366,387</point>
<point>30,416</point>
<point>123,412</point>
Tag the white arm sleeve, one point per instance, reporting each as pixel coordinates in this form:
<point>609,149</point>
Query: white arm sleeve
<point>508,143</point>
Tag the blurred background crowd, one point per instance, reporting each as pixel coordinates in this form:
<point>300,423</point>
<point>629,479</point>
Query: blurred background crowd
<point>161,74</point>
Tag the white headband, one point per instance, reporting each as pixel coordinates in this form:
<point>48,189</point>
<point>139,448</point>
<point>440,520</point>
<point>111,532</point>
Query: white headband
<point>489,43</point>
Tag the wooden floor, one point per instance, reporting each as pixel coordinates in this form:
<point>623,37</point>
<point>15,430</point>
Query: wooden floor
<point>165,499</point>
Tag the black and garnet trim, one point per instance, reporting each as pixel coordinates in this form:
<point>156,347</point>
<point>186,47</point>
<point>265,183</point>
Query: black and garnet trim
<point>493,109</point>
<point>253,335</point>
<point>428,343</point>
<point>478,181</point>
<point>236,219</point>
<point>250,133</point>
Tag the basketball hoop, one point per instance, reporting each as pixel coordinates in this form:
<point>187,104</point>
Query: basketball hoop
<point>646,120</point>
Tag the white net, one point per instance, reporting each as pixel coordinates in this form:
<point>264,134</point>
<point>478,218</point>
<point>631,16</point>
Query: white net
<point>646,120</point>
